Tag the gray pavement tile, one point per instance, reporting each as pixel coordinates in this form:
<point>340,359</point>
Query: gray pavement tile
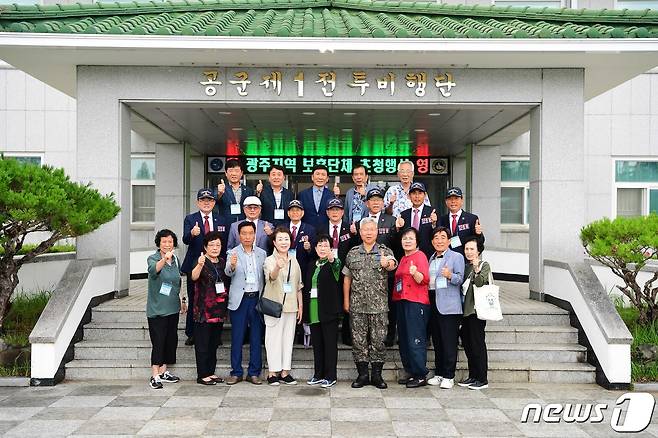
<point>197,390</point>
<point>7,425</point>
<point>400,391</point>
<point>83,401</point>
<point>490,429</point>
<point>357,402</point>
<point>9,390</point>
<point>100,390</point>
<point>558,392</point>
<point>297,428</point>
<point>456,392</point>
<point>45,428</point>
<point>190,413</point>
<point>48,391</point>
<point>311,414</point>
<point>189,401</point>
<point>467,403</point>
<point>360,414</point>
<point>435,414</point>
<point>144,390</point>
<point>236,428</point>
<point>558,430</point>
<point>18,414</point>
<point>424,428</point>
<point>603,430</point>
<point>411,402</point>
<point>129,401</point>
<point>110,427</point>
<point>67,413</point>
<point>358,429</point>
<point>515,403</point>
<point>248,402</point>
<point>509,393</point>
<point>344,390</point>
<point>243,414</point>
<point>125,413</point>
<point>476,415</point>
<point>174,427</point>
<point>245,389</point>
<point>303,402</point>
<point>28,402</point>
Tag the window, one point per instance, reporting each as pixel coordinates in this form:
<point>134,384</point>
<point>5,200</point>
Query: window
<point>25,157</point>
<point>142,174</point>
<point>636,184</point>
<point>636,4</point>
<point>533,3</point>
<point>514,191</point>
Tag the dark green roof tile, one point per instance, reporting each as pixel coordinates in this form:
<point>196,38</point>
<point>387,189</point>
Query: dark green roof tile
<point>328,18</point>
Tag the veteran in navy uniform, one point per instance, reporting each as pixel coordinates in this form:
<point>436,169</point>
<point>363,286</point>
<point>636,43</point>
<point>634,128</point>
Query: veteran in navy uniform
<point>462,225</point>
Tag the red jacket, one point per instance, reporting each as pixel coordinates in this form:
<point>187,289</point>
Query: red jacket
<point>410,290</point>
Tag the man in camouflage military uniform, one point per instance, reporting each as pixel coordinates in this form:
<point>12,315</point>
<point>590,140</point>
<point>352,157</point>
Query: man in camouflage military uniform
<point>365,297</point>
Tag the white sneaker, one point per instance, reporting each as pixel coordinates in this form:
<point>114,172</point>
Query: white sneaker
<point>447,383</point>
<point>435,381</point>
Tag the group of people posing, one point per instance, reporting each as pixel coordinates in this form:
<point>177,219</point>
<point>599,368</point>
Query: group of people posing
<point>379,262</point>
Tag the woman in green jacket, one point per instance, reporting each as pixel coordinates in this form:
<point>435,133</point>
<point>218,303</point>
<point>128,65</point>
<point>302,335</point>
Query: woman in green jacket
<point>477,274</point>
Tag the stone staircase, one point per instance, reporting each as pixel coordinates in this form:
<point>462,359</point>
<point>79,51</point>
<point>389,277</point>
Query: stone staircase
<point>533,343</point>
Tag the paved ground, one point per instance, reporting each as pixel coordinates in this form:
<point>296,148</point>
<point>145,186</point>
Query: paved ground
<point>131,408</point>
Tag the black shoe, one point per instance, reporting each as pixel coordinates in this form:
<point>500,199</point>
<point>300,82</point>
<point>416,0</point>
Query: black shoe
<point>169,378</point>
<point>189,341</point>
<point>200,381</point>
<point>218,379</point>
<point>155,384</point>
<point>417,382</point>
<point>390,340</point>
<point>288,380</point>
<point>273,380</point>
<point>377,379</point>
<point>363,379</point>
<point>479,385</point>
<point>405,380</point>
<point>467,382</point>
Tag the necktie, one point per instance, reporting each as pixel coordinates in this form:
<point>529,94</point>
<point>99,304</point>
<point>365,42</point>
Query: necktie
<point>294,233</point>
<point>335,236</point>
<point>416,220</point>
<point>454,224</point>
<point>206,225</point>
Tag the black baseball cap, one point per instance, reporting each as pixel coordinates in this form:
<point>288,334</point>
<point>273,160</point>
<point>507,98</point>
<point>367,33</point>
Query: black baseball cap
<point>376,191</point>
<point>204,193</point>
<point>454,191</point>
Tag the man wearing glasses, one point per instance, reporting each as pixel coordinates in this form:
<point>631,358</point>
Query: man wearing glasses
<point>252,208</point>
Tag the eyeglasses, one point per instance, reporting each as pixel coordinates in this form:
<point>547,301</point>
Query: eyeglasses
<point>252,207</point>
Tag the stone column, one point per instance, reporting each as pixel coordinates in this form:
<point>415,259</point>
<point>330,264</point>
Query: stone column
<point>485,198</point>
<point>103,158</point>
<point>557,184</point>
<point>170,188</point>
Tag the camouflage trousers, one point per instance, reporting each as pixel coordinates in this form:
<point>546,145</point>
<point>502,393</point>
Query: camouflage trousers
<point>368,334</point>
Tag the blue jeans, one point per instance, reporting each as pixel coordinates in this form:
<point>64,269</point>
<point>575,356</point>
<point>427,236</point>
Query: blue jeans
<point>241,318</point>
<point>412,334</point>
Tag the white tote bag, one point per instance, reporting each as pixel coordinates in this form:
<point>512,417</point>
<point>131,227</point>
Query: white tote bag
<point>487,301</point>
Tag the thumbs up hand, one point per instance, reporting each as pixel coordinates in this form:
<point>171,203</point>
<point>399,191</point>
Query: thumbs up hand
<point>352,228</point>
<point>383,260</point>
<point>413,269</point>
<point>267,228</point>
<point>446,272</point>
<point>259,187</point>
<point>399,222</point>
<point>234,261</point>
<point>336,188</point>
<point>392,198</point>
<point>433,217</point>
<point>202,260</point>
<point>307,244</point>
<point>168,256</point>
<point>478,227</point>
<point>195,229</point>
<point>221,188</point>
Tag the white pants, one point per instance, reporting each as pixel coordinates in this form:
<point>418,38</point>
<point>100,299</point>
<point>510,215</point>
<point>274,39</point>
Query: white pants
<point>279,337</point>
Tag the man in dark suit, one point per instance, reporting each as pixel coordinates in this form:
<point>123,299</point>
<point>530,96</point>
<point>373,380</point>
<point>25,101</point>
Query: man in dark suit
<point>421,217</point>
<point>315,198</point>
<point>195,226</point>
<point>387,234</point>
<point>341,242</point>
<point>303,235</point>
<point>230,198</point>
<point>462,224</point>
<point>275,197</point>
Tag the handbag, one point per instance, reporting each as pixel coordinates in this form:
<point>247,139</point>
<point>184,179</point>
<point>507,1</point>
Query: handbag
<point>270,307</point>
<point>487,301</point>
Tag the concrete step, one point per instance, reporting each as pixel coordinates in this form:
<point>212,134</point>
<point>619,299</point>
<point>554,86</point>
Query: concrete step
<point>141,351</point>
<point>521,372</point>
<point>548,317</point>
<point>503,334</point>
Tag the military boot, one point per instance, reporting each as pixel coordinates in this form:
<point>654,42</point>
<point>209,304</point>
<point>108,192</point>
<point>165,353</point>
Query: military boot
<point>377,379</point>
<point>363,379</point>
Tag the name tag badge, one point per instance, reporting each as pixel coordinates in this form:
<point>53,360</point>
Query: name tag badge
<point>334,251</point>
<point>441,282</point>
<point>356,217</point>
<point>314,292</point>
<point>398,286</point>
<point>165,289</point>
<point>219,288</point>
<point>251,278</point>
<point>235,209</point>
<point>432,284</point>
<point>287,288</point>
<point>292,253</point>
<point>278,213</point>
<point>455,242</point>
